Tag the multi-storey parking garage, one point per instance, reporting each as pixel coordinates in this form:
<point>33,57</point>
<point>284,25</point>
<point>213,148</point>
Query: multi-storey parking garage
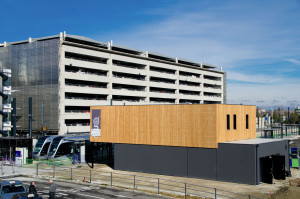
<point>71,73</point>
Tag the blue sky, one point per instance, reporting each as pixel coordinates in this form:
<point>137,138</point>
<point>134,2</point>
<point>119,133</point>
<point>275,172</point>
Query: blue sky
<point>256,42</point>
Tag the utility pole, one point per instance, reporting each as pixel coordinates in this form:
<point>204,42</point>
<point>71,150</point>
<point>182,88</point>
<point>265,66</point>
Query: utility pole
<point>288,115</point>
<point>271,118</point>
<point>30,117</point>
<point>42,127</point>
<point>14,117</point>
<point>279,117</point>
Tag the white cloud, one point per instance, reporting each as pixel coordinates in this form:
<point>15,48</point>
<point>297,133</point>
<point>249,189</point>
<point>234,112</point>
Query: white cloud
<point>259,78</point>
<point>294,61</point>
<point>230,35</point>
<point>272,95</point>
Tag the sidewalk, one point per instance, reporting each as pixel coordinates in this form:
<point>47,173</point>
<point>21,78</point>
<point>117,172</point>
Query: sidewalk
<point>261,191</point>
<point>124,179</point>
<point>100,174</point>
<point>16,170</point>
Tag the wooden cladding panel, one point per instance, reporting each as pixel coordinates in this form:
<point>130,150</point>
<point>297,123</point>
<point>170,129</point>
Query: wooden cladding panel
<point>240,132</point>
<point>170,125</point>
<point>174,125</point>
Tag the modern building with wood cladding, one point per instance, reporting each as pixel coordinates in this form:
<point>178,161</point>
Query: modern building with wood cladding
<point>176,125</point>
<point>210,141</point>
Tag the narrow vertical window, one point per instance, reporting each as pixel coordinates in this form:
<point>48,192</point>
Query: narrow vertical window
<point>247,121</point>
<point>228,122</point>
<point>234,121</point>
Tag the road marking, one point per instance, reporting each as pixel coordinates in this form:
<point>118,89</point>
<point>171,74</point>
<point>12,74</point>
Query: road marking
<point>71,190</point>
<point>63,194</point>
<point>88,196</point>
<point>121,196</point>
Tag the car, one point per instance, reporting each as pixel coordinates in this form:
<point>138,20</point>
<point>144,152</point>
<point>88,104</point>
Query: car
<point>12,189</point>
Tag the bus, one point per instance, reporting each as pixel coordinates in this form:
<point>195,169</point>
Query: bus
<point>41,147</point>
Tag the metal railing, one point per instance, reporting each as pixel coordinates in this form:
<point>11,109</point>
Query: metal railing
<point>12,165</point>
<point>278,132</point>
<point>171,188</point>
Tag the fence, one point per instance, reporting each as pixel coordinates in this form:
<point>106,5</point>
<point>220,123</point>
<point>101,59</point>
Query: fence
<point>8,161</point>
<point>64,161</point>
<point>4,170</point>
<point>278,132</point>
<point>136,182</point>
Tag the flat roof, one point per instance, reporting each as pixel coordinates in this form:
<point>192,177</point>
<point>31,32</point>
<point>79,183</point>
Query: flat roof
<point>204,65</point>
<point>167,58</point>
<point>177,105</point>
<point>15,138</point>
<point>253,141</point>
<point>120,48</point>
<point>126,49</point>
<point>186,61</point>
<point>82,38</point>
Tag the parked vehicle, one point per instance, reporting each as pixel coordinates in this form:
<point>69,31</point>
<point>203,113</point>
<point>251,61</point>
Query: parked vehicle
<point>12,189</point>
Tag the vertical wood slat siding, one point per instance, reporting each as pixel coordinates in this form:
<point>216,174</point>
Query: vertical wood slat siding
<point>241,132</point>
<point>174,125</point>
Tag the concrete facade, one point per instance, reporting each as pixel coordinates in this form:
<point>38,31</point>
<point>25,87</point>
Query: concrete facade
<point>129,77</point>
<point>93,73</point>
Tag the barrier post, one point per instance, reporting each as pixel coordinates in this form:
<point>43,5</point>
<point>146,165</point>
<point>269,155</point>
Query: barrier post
<point>215,192</point>
<point>111,179</point>
<point>158,185</point>
<point>53,171</point>
<point>185,190</point>
<point>90,175</point>
<point>71,174</point>
<point>133,182</point>
<point>37,169</point>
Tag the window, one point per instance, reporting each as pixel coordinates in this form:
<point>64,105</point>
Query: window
<point>228,122</point>
<point>45,149</point>
<point>13,188</point>
<point>234,121</point>
<point>64,149</point>
<point>247,121</point>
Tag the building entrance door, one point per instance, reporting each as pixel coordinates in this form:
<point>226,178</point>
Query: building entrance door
<point>278,167</point>
<point>266,169</point>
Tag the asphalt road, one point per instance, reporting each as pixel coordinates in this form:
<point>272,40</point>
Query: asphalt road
<point>67,190</point>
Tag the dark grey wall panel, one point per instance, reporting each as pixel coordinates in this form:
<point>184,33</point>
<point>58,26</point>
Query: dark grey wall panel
<point>202,163</point>
<point>236,163</point>
<point>230,162</point>
<point>151,159</point>
<point>272,148</point>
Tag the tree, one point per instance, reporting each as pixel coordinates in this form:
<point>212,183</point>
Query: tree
<point>294,118</point>
<point>275,116</point>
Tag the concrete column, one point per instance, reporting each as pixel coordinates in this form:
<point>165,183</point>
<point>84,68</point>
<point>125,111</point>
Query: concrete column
<point>201,79</point>
<point>61,90</point>
<point>147,68</point>
<point>177,83</point>
<point>110,77</point>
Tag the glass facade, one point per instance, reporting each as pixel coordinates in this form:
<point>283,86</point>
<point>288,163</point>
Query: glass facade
<point>34,68</point>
